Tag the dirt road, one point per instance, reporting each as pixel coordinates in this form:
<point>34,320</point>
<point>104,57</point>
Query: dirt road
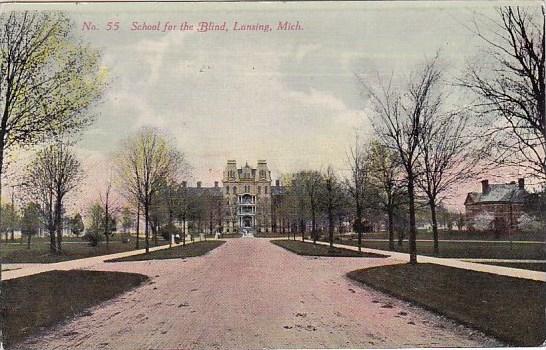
<point>251,294</point>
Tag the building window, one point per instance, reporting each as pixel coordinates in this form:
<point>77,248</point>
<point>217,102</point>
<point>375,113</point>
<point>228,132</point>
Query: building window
<point>234,189</point>
<point>265,189</point>
<point>227,189</point>
<point>259,189</point>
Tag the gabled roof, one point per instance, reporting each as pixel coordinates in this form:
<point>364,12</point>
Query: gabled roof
<point>498,193</point>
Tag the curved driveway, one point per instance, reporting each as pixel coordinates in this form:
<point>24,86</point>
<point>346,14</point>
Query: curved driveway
<point>251,294</point>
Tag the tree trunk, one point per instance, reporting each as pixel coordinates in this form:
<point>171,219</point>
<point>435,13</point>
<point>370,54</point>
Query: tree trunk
<point>359,223</point>
<point>107,225</point>
<point>313,224</point>
<point>434,227</point>
<point>28,241</point>
<point>184,230</point>
<point>52,244</point>
<point>59,223</point>
<point>2,290</point>
<point>51,226</point>
<point>138,226</point>
<point>391,229</point>
<point>331,226</point>
<point>210,225</point>
<point>146,229</point>
<point>12,238</point>
<point>413,228</point>
<point>302,228</point>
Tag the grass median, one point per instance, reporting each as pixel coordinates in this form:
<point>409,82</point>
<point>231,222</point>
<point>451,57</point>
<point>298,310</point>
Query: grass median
<point>177,252</point>
<point>465,250</point>
<point>310,249</point>
<point>42,300</point>
<point>39,251</point>
<point>511,309</point>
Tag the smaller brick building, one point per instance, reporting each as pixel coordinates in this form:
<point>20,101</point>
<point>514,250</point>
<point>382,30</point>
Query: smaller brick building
<point>497,207</point>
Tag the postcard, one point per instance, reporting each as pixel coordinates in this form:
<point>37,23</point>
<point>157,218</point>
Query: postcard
<point>272,175</point>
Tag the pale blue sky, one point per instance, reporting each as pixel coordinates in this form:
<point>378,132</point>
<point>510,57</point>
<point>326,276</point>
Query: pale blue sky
<point>288,97</point>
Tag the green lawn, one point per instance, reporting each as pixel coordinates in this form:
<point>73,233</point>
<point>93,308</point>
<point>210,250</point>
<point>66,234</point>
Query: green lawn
<point>511,309</point>
<point>72,249</point>
<point>177,252</point>
<point>483,250</point>
<point>525,266</point>
<point>308,248</point>
<point>469,235</point>
<point>39,301</point>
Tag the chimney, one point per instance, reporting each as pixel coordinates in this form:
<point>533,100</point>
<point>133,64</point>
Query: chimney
<point>521,183</point>
<point>198,184</point>
<point>485,186</point>
<point>277,183</point>
<point>215,183</point>
<point>184,184</point>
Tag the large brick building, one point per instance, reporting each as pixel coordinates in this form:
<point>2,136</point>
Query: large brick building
<point>244,203</point>
<point>497,207</point>
<point>247,198</point>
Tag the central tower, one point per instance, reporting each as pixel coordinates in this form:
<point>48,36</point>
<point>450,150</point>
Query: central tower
<point>247,198</point>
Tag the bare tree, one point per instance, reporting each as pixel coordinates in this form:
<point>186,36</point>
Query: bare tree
<point>356,159</point>
<point>333,200</point>
<point>297,199</point>
<point>38,187</point>
<point>184,209</point>
<point>30,223</point>
<point>385,169</point>
<point>146,160</point>
<point>447,158</point>
<point>127,222</point>
<point>400,117</point>
<point>511,92</point>
<point>110,206</point>
<point>53,173</point>
<point>312,181</point>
